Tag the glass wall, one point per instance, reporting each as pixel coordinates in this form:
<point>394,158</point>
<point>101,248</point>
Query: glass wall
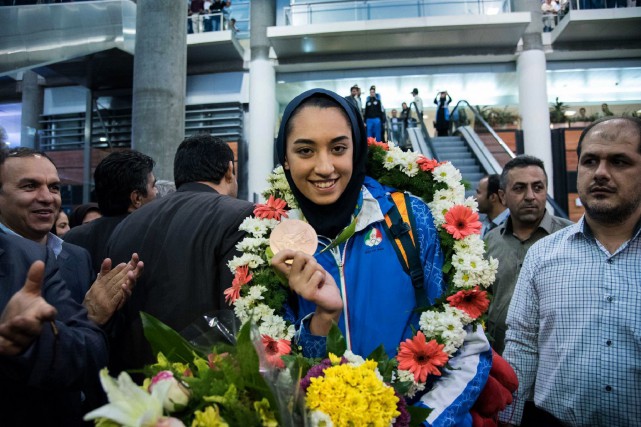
<point>320,12</point>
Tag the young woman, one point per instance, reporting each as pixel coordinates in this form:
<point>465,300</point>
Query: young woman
<point>360,283</point>
<point>61,226</point>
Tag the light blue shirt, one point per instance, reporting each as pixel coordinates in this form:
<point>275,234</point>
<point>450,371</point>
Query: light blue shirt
<point>574,334</point>
<point>488,224</point>
<point>53,242</point>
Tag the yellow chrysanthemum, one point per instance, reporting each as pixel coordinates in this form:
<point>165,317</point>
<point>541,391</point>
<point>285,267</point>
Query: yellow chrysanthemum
<point>336,360</point>
<point>353,395</point>
<point>210,417</point>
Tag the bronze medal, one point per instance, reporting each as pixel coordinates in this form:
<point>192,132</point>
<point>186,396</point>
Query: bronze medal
<point>293,234</point>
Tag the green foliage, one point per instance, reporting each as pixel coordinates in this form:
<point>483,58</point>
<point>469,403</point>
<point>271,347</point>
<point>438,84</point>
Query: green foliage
<point>276,294</point>
<point>336,343</point>
<point>423,188</point>
<point>165,340</point>
<point>496,116</point>
<point>230,379</point>
<point>418,415</point>
<point>557,112</point>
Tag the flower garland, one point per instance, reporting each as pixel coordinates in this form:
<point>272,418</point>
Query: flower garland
<point>257,293</point>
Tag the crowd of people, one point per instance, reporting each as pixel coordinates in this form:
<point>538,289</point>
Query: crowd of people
<point>554,10</point>
<point>565,311</point>
<point>209,15</point>
<point>393,127</point>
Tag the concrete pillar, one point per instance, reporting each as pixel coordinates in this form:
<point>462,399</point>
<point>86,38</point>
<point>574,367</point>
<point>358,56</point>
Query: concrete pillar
<point>533,99</point>
<point>262,99</point>
<point>32,104</point>
<point>160,75</point>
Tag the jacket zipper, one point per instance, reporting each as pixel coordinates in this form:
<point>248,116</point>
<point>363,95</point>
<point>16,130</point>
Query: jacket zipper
<point>340,262</point>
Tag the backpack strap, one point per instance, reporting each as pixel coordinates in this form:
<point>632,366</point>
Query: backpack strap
<point>399,222</point>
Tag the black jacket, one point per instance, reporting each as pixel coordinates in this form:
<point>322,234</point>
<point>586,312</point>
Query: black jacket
<point>185,241</point>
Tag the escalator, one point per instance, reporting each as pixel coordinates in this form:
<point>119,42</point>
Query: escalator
<point>474,148</point>
<point>456,150</point>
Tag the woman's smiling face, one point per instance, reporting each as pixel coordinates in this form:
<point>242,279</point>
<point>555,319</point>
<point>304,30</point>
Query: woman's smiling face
<point>319,153</point>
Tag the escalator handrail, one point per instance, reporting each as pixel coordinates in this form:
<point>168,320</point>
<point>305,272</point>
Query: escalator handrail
<point>486,125</point>
<point>558,211</point>
<point>426,135</point>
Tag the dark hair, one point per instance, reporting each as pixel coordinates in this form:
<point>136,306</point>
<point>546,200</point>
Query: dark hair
<point>116,176</point>
<point>493,184</point>
<point>21,152</point>
<point>79,213</point>
<point>634,121</point>
<point>318,101</point>
<point>201,157</point>
<point>521,161</point>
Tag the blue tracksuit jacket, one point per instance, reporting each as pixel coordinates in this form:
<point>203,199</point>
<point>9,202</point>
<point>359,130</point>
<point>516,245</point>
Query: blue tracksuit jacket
<point>378,299</point>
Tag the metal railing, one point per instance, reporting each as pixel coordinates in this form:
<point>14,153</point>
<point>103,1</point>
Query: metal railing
<point>464,118</point>
<point>304,13</point>
<point>421,125</point>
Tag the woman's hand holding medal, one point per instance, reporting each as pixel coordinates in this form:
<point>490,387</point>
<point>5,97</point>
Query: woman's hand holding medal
<point>294,243</point>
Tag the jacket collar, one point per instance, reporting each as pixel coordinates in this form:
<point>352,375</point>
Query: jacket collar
<point>197,187</point>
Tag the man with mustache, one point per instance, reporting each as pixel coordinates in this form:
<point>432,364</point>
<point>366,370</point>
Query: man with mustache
<point>523,190</point>
<point>574,334</point>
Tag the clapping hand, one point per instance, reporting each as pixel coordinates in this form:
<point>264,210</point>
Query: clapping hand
<point>112,288</point>
<point>25,314</point>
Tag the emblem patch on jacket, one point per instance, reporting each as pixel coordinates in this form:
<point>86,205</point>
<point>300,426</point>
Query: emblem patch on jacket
<point>373,237</point>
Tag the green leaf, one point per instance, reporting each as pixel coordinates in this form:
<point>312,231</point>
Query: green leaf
<point>345,234</point>
<point>336,342</point>
<point>402,387</point>
<point>378,355</point>
<point>167,341</point>
<point>418,415</point>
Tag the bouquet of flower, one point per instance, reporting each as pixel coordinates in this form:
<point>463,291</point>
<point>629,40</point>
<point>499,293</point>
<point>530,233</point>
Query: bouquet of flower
<point>190,387</point>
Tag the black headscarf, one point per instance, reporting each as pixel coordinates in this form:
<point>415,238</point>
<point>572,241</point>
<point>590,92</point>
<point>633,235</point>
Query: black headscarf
<point>329,220</point>
<point>79,213</point>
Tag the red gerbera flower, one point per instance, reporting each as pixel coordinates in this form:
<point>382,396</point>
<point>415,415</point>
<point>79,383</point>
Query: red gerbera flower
<point>426,165</point>
<point>461,221</point>
<point>372,141</point>
<point>274,349</point>
<point>474,301</point>
<point>421,358</point>
<point>242,277</point>
<point>273,209</point>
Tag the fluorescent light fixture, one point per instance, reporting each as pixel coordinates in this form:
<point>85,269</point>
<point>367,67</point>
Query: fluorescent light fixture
<point>103,139</point>
<point>569,113</point>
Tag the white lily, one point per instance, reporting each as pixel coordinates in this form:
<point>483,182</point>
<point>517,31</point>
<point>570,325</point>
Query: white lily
<point>129,405</point>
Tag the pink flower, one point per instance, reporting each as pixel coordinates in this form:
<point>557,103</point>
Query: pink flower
<point>371,141</point>
<point>214,359</point>
<point>421,358</point>
<point>461,221</point>
<point>426,165</point>
<point>474,302</point>
<point>242,277</point>
<point>177,396</point>
<point>274,349</point>
<point>273,209</point>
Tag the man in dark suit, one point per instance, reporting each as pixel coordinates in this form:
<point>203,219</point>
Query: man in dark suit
<point>186,240</point>
<point>48,347</point>
<point>29,203</point>
<point>124,182</point>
